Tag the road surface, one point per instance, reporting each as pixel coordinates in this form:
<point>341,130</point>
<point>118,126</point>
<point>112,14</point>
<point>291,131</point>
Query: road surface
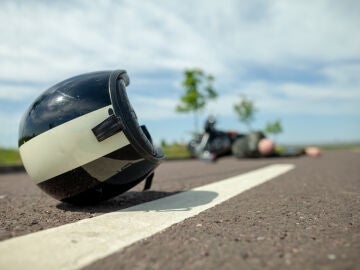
<point>306,218</point>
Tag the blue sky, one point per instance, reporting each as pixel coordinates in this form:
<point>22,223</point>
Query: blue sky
<point>299,60</point>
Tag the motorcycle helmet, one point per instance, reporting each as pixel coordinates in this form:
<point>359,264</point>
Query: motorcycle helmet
<point>80,141</point>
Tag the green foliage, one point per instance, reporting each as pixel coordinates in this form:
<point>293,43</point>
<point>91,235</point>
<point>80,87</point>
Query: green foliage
<point>163,143</point>
<point>198,90</point>
<point>274,127</point>
<point>245,110</point>
<point>9,156</point>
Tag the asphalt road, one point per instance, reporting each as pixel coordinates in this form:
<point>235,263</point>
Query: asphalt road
<point>307,218</point>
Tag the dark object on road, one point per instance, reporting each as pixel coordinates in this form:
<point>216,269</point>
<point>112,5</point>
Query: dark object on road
<point>247,146</point>
<point>256,145</point>
<point>81,142</point>
<point>213,143</point>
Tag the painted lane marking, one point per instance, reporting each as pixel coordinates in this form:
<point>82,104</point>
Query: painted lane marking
<point>78,244</point>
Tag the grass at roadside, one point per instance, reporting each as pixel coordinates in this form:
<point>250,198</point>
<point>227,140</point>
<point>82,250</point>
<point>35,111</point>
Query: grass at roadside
<point>175,151</point>
<point>344,146</point>
<point>12,156</point>
<point>328,147</point>
<point>9,157</point>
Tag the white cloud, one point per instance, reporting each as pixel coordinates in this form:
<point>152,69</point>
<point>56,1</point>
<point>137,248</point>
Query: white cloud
<point>285,33</point>
<point>344,74</point>
<point>294,98</point>
<point>306,92</point>
<point>52,40</point>
<point>45,42</point>
<point>19,92</point>
<point>149,108</point>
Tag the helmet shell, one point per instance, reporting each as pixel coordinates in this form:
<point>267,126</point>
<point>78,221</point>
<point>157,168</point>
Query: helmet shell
<point>80,140</point>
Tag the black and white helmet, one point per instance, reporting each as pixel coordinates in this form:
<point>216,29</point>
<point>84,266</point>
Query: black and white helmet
<point>80,141</point>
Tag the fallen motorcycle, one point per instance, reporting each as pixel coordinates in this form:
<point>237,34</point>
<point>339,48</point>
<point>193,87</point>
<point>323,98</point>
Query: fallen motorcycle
<point>212,143</point>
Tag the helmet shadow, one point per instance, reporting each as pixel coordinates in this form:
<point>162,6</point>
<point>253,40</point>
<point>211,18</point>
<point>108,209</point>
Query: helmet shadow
<point>147,201</point>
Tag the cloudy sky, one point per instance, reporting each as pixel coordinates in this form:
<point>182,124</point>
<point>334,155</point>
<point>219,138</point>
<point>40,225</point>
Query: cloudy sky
<point>299,60</point>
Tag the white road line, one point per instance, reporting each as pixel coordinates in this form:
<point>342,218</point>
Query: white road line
<point>78,244</point>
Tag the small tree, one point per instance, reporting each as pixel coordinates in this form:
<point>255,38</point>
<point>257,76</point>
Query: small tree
<point>163,143</point>
<point>274,128</point>
<point>245,111</point>
<point>198,90</point>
